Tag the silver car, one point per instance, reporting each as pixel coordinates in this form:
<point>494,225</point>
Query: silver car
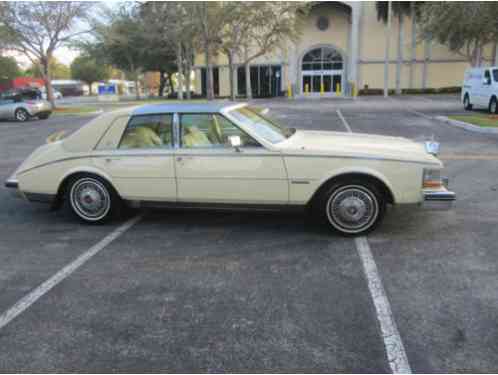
<point>11,109</point>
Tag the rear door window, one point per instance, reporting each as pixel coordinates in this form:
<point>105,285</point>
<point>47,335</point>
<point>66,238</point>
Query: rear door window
<point>149,131</point>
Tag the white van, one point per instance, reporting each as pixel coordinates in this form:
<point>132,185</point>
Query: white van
<point>480,88</point>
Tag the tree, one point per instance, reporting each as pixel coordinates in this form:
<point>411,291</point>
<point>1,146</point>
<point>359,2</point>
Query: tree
<point>400,9</point>
<point>464,27</point>
<point>169,34</point>
<point>58,70</point>
<point>119,41</point>
<point>9,69</point>
<point>272,25</point>
<point>36,29</point>
<point>89,70</point>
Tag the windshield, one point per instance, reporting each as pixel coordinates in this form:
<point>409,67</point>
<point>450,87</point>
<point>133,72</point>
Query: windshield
<point>260,125</point>
<point>495,75</point>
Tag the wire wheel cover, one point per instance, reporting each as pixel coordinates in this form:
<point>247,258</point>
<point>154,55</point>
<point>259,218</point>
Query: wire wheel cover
<point>352,208</point>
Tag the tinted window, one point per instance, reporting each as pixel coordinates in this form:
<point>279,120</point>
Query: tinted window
<point>210,130</point>
<point>152,131</point>
<point>487,76</point>
<point>495,75</point>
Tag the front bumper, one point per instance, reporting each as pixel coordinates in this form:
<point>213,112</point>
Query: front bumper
<point>439,198</point>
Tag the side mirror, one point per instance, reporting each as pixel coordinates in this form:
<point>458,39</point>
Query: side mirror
<point>235,141</point>
<point>486,81</point>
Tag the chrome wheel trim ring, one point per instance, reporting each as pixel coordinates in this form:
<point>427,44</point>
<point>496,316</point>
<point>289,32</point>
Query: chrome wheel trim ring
<point>352,209</point>
<point>90,199</point>
<point>492,107</point>
<point>466,101</point>
<point>21,115</point>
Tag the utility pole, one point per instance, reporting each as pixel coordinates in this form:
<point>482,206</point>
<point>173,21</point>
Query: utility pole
<point>387,50</point>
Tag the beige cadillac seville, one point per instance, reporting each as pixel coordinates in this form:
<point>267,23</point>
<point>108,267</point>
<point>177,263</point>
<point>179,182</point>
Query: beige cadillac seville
<point>225,155</point>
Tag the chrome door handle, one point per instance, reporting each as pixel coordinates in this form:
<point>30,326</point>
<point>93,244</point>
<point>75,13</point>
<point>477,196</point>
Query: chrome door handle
<point>108,160</point>
<point>183,158</point>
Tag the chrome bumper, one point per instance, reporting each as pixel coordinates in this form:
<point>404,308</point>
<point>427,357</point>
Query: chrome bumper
<point>441,198</point>
<point>13,185</point>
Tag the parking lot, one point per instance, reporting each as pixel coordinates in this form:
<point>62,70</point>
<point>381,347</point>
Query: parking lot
<point>250,292</point>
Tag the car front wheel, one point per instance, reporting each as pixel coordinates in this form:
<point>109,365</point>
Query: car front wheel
<point>21,115</point>
<point>92,199</point>
<point>353,208</point>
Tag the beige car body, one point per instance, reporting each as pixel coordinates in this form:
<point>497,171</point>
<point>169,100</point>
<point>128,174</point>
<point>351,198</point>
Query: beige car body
<point>288,173</point>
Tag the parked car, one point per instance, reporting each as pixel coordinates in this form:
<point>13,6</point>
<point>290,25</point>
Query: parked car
<point>57,94</point>
<point>480,89</point>
<point>16,108</point>
<point>228,156</point>
<point>19,94</point>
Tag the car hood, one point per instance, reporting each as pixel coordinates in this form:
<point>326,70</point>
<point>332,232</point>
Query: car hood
<point>357,145</point>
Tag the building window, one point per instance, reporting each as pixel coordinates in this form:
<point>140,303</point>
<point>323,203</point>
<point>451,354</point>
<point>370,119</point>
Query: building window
<point>324,58</point>
<point>322,23</point>
<point>265,80</point>
<point>216,81</point>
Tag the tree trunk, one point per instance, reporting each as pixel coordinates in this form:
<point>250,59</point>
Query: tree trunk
<point>188,71</point>
<point>179,65</point>
<point>427,58</point>
<point>387,52</point>
<point>247,69</point>
<point>209,72</point>
<point>230,73</point>
<point>89,88</point>
<point>399,58</point>
<point>137,89</point>
<point>494,57</point>
<point>413,61</point>
<point>162,83</point>
<point>47,77</point>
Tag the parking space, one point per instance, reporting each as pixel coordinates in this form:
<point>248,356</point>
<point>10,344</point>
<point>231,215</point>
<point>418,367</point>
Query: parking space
<point>233,292</point>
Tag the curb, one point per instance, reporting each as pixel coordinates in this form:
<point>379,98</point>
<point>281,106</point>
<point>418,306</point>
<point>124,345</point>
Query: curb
<point>467,126</point>
<point>95,113</point>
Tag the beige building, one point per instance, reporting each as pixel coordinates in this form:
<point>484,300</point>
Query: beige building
<point>342,46</point>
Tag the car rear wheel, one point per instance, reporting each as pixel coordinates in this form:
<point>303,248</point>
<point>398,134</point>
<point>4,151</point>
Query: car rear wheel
<point>493,106</point>
<point>353,208</point>
<point>92,199</point>
<point>466,103</point>
<point>21,115</point>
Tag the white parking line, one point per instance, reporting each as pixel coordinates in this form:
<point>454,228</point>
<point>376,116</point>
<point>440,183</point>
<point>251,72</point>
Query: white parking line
<point>395,350</point>
<point>344,122</point>
<point>24,303</point>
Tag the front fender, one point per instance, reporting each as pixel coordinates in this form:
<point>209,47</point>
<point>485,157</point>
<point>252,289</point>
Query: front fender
<point>360,170</point>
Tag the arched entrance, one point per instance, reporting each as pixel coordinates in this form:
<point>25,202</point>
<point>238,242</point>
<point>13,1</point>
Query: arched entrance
<point>322,72</point>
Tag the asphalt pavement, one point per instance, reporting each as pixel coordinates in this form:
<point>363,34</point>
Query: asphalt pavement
<point>247,292</point>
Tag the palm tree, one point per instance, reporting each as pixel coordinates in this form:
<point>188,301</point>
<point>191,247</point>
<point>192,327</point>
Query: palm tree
<point>399,9</point>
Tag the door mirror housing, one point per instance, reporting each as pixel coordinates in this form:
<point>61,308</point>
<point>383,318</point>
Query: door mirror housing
<point>486,81</point>
<point>235,141</point>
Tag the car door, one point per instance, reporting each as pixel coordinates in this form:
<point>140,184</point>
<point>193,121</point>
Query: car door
<point>210,170</point>
<point>139,157</point>
<point>486,88</point>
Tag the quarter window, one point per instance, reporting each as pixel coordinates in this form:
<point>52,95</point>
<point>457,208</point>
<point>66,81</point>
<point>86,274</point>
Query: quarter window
<point>210,130</point>
<point>151,131</point>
